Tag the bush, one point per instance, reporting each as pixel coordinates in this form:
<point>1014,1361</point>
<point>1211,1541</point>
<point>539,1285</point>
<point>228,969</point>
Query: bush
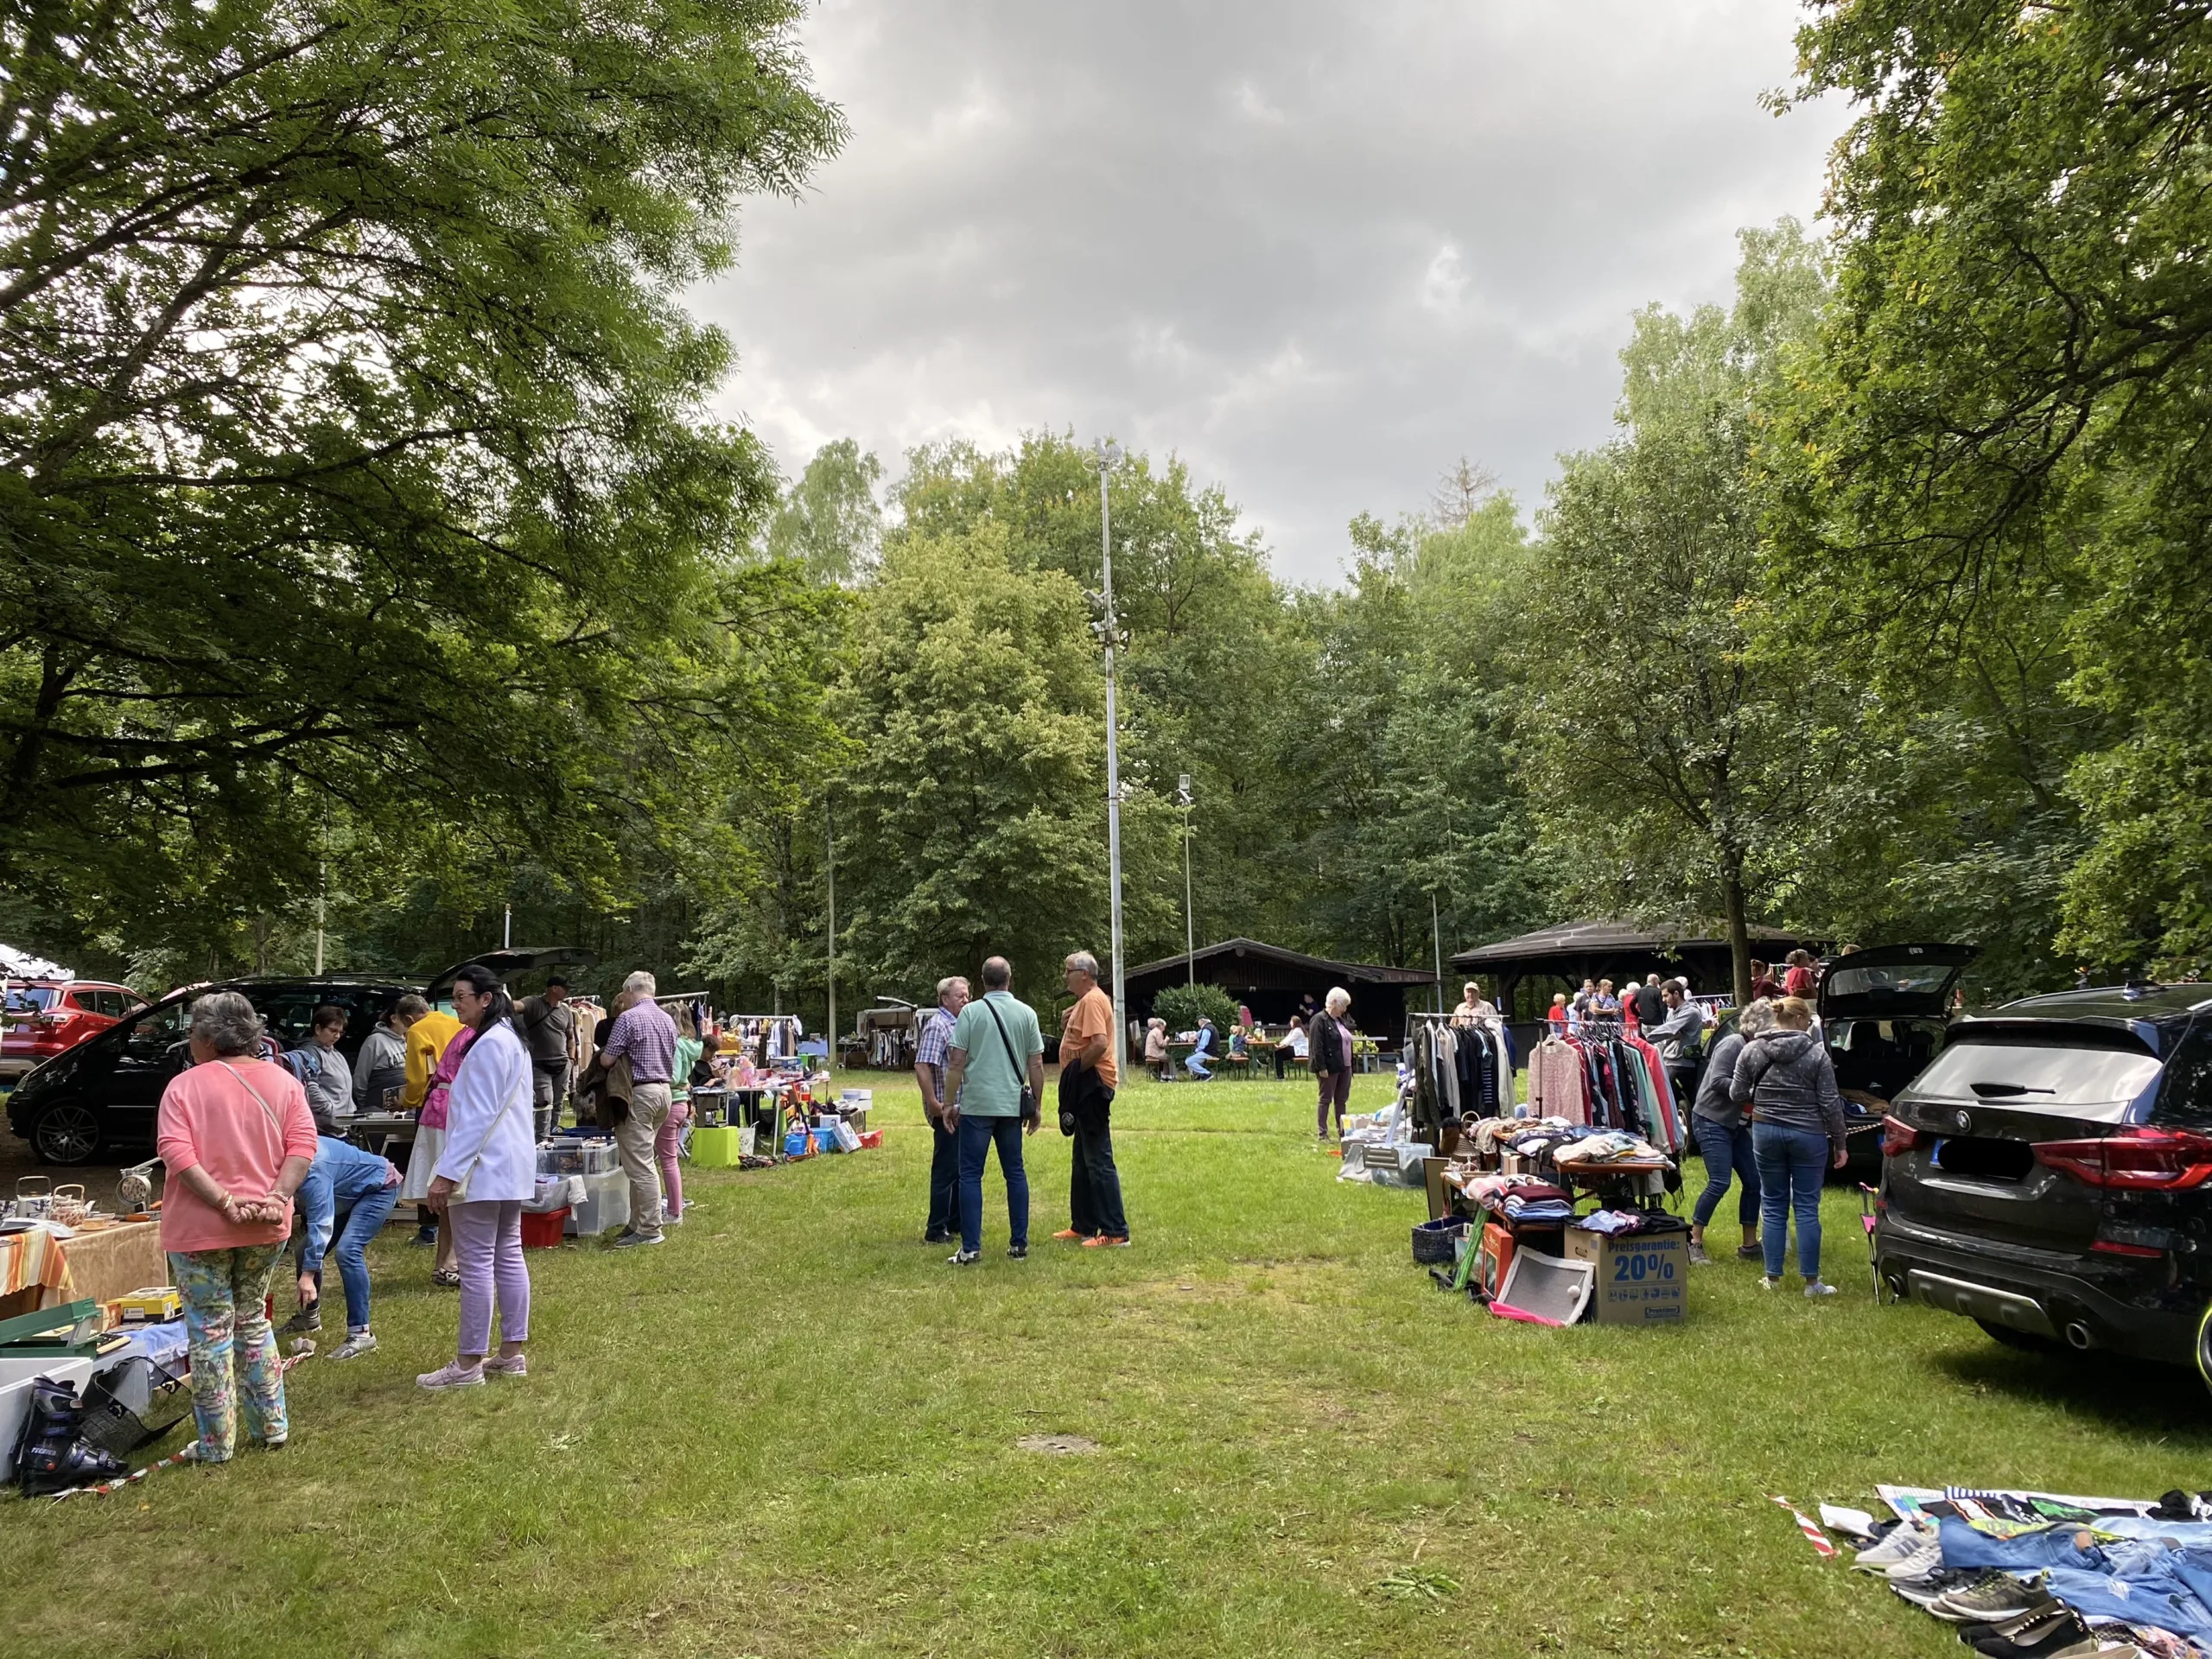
<point>1180,1006</point>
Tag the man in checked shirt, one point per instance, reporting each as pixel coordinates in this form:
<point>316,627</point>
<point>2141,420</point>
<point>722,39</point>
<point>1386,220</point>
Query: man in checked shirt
<point>929,1072</point>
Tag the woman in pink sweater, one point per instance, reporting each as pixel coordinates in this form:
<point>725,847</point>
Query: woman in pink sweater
<point>238,1138</point>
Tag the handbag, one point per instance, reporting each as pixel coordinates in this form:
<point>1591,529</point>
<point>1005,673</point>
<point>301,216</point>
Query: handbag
<point>1029,1110</point>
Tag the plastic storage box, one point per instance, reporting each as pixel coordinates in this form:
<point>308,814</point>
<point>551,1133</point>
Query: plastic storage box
<point>715,1148</point>
<point>605,1204</point>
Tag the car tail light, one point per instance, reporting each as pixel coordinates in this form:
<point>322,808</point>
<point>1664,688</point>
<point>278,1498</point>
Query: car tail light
<point>2141,1159</point>
<point>2113,1247</point>
<point>1897,1137</point>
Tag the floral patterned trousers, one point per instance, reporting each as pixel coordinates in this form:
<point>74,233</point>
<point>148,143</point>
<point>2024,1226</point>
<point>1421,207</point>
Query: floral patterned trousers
<point>226,1320</point>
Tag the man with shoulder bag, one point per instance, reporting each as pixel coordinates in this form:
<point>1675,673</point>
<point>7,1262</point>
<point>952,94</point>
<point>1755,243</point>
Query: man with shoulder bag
<point>994,1079</point>
<point>1088,1079</point>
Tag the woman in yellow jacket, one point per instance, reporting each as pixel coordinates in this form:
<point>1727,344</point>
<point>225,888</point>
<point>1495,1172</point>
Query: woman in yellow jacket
<point>428,1031</point>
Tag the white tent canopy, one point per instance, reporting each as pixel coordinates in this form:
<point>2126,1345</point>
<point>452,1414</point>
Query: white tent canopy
<point>21,964</point>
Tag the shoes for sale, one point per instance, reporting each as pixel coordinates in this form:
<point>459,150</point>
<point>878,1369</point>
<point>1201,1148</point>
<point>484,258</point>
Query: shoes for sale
<point>1925,1591</point>
<point>356,1342</point>
<point>309,1318</point>
<point>1698,1257</point>
<point>49,1456</point>
<point>1903,1541</point>
<point>963,1258</point>
<point>2038,1635</point>
<point>1926,1557</point>
<point>1993,1597</point>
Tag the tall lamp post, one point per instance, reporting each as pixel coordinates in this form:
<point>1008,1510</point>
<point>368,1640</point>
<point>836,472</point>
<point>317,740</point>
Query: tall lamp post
<point>1110,456</point>
<point>1190,937</point>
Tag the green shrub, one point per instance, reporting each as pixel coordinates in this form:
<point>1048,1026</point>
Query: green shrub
<point>1180,1006</point>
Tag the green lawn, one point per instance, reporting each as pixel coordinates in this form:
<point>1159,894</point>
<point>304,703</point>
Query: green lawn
<point>793,1432</point>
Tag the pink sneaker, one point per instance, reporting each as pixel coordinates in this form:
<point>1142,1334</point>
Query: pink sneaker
<point>518,1366</point>
<point>452,1375</point>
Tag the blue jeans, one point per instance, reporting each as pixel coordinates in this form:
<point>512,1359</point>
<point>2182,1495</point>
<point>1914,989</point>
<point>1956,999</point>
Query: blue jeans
<point>977,1136</point>
<point>1196,1065</point>
<point>1792,1163</point>
<point>1726,1148</point>
<point>363,1223</point>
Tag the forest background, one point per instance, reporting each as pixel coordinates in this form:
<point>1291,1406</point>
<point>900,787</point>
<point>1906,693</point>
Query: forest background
<point>370,569</point>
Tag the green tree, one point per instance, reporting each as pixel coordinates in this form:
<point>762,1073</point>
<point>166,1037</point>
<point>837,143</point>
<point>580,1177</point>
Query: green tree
<point>830,521</point>
<point>1670,763</point>
<point>973,802</point>
<point>352,464</point>
<point>2010,406</point>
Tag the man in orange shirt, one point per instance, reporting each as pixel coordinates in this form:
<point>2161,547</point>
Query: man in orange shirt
<point>1088,1079</point>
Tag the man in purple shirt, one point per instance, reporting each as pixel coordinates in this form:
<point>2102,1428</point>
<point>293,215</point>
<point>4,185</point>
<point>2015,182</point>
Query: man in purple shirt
<point>644,1035</point>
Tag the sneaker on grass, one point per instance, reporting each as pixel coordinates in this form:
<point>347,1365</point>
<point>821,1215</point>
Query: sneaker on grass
<point>452,1375</point>
<point>963,1258</point>
<point>1698,1257</point>
<point>1904,1539</point>
<point>1819,1287</point>
<point>309,1318</point>
<point>356,1342</point>
<point>1926,1557</point>
<point>629,1239</point>
<point>1994,1595</point>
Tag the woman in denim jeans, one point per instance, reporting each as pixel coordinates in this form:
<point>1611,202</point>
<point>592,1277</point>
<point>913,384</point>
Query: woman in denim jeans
<point>1724,1139</point>
<point>1797,1135</point>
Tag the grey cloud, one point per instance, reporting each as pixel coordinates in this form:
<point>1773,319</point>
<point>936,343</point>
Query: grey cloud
<point>1320,251</point>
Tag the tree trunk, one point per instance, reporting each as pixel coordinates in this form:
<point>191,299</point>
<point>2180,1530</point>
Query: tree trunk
<point>1739,933</point>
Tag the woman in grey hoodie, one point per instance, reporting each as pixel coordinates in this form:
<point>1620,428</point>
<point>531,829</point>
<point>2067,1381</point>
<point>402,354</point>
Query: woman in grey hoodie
<point>1785,1077</point>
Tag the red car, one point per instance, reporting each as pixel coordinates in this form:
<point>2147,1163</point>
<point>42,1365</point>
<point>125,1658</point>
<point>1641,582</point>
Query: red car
<point>46,1017</point>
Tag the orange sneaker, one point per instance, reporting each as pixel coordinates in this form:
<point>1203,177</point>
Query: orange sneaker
<point>1107,1242</point>
<point>1070,1232</point>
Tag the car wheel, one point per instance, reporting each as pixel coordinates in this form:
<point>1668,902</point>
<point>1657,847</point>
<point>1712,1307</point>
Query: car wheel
<point>2026,1341</point>
<point>2204,1347</point>
<point>66,1133</point>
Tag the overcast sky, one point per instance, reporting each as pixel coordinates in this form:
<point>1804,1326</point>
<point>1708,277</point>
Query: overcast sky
<point>1320,251</point>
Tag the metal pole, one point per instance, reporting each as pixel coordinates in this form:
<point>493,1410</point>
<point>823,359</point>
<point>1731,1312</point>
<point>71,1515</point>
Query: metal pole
<point>1108,455</point>
<point>1437,928</point>
<point>829,863</point>
<point>321,899</point>
<point>507,932</point>
<point>1190,937</point>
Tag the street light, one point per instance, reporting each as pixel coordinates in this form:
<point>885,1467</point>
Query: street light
<point>1190,937</point>
<point>1110,456</point>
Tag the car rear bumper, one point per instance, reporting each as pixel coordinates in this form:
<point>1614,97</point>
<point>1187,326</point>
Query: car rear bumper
<point>2085,1308</point>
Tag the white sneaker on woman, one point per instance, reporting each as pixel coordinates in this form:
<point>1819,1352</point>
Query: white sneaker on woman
<point>452,1375</point>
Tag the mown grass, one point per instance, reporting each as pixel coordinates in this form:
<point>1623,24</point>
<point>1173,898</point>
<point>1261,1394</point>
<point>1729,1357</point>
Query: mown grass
<point>793,1432</point>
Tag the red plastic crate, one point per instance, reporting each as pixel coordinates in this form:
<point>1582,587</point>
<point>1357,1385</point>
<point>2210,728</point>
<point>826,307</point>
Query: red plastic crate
<point>542,1231</point>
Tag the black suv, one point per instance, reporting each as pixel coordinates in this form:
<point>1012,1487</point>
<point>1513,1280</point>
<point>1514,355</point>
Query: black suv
<point>104,1093</point>
<point>2049,1176</point>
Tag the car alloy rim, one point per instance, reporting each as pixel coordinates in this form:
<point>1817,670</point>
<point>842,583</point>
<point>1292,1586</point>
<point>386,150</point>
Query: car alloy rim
<point>67,1135</point>
<point>2204,1347</point>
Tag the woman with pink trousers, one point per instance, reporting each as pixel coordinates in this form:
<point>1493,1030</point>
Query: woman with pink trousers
<point>487,1167</point>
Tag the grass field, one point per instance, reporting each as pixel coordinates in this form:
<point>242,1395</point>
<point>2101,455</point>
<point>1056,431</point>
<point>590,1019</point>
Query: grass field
<point>794,1431</point>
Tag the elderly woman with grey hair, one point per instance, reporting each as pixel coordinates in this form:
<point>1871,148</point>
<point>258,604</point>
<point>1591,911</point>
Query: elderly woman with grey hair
<point>1328,1049</point>
<point>236,1137</point>
<point>1724,1137</point>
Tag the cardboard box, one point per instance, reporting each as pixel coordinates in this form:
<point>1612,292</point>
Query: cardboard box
<point>1641,1276</point>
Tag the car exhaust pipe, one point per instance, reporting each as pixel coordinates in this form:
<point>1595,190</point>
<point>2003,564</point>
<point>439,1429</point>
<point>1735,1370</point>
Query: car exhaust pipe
<point>2079,1336</point>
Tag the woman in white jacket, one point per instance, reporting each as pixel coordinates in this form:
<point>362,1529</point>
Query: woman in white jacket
<point>488,1167</point>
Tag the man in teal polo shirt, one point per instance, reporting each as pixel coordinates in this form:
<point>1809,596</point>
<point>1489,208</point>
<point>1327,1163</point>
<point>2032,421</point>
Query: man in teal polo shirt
<point>996,1049</point>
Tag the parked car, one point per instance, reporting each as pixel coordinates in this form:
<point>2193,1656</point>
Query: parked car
<point>2049,1176</point>
<point>103,1094</point>
<point>47,1017</point>
<point>1883,1015</point>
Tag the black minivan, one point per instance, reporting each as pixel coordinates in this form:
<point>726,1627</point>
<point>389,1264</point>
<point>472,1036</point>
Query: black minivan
<point>104,1094</point>
<point>2049,1175</point>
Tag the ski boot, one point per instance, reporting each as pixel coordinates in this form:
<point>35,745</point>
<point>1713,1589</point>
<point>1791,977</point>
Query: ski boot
<point>50,1457</point>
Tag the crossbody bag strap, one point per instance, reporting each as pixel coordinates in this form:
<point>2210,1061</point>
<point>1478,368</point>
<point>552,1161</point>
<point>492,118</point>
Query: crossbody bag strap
<point>1020,1075</point>
<point>267,1110</point>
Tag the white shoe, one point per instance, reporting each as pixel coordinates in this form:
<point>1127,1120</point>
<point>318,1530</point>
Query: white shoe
<point>356,1344</point>
<point>452,1375</point>
<point>1904,1540</point>
<point>1816,1288</point>
<point>1769,1284</point>
<point>1918,1565</point>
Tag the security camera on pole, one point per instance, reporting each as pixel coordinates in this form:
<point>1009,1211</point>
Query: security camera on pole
<point>1110,456</point>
